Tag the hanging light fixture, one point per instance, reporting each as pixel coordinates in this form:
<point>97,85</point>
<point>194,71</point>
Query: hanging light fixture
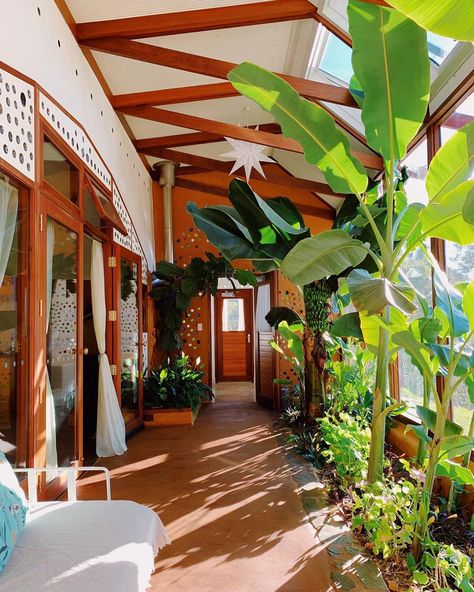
<point>247,155</point>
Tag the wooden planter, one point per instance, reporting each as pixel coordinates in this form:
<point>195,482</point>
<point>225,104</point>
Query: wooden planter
<point>155,418</point>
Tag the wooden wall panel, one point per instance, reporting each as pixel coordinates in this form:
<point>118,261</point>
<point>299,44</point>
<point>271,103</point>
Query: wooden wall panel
<point>266,370</point>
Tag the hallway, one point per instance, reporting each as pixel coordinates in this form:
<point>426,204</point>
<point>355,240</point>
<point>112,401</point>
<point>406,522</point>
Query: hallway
<point>228,500</point>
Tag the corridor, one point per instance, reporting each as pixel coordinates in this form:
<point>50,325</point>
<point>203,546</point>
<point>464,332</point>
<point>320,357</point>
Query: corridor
<point>228,500</point>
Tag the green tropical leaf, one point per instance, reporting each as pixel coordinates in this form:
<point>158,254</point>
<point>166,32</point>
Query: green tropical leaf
<point>347,325</point>
<point>371,324</point>
<point>293,341</point>
<point>417,351</point>
<point>223,232</point>
<point>450,18</point>
<point>452,164</point>
<point>455,472</point>
<point>167,269</point>
<point>323,143</point>
<point>445,218</point>
<point>468,304</point>
<point>426,329</point>
<point>428,417</point>
<point>406,220</point>
<point>395,98</point>
<point>324,254</point>
<point>245,277</point>
<point>372,295</point>
<point>278,314</point>
<point>356,90</point>
<point>283,214</point>
<point>453,446</point>
<point>449,300</point>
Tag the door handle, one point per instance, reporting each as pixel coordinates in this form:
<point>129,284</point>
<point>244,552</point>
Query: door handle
<point>248,337</point>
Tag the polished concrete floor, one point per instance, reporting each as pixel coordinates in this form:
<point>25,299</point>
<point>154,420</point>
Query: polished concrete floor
<point>227,498</point>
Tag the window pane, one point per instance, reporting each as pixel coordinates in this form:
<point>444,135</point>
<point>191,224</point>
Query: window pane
<point>129,339</point>
<point>59,172</point>
<point>90,209</point>
<point>61,343</point>
<point>460,259</point>
<point>233,314</point>
<point>416,163</point>
<point>13,302</point>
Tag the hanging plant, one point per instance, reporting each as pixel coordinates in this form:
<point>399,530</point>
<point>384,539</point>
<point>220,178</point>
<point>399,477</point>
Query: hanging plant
<point>175,287</point>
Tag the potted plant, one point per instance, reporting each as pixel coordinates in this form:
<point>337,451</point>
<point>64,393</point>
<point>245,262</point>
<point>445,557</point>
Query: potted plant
<point>173,393</point>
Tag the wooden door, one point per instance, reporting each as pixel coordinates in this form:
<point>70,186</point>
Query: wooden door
<point>234,335</point>
<point>265,358</point>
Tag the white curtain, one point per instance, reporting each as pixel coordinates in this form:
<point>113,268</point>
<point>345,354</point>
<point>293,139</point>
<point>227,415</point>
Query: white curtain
<point>110,436</point>
<point>8,216</point>
<point>51,448</point>
<point>263,308</point>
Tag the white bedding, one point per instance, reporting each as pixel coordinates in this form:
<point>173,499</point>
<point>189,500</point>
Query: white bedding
<point>85,546</point>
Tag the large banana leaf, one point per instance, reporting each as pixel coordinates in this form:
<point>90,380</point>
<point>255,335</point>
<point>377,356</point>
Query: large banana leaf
<point>450,18</point>
<point>325,254</point>
<point>222,232</point>
<point>468,304</point>
<point>390,61</point>
<point>418,352</point>
<point>449,300</point>
<point>372,295</point>
<point>323,143</point>
<point>453,164</point>
<point>446,218</point>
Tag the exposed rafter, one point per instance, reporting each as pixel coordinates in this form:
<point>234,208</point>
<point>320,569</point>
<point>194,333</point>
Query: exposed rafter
<point>188,62</point>
<point>212,164</point>
<point>234,131</point>
<point>257,13</point>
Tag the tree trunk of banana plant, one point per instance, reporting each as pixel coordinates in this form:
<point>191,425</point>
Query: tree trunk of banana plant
<point>316,298</point>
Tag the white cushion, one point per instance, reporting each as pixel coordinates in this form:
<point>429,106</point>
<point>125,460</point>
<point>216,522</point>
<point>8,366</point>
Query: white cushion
<point>85,546</point>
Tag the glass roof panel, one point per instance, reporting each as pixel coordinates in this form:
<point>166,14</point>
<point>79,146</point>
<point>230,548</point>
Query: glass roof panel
<point>439,47</point>
<point>336,59</point>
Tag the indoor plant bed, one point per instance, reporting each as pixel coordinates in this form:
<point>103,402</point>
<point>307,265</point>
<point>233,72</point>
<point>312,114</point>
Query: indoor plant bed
<point>174,393</point>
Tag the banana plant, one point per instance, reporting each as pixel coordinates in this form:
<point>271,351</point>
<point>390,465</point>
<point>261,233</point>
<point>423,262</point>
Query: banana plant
<point>449,353</point>
<point>394,100</point>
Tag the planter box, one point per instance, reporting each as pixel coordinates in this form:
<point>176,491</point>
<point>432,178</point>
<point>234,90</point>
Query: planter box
<point>155,418</point>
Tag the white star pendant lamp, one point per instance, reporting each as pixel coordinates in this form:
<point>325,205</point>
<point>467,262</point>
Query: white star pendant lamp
<point>247,155</point>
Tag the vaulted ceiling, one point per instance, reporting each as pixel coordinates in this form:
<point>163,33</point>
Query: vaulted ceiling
<point>163,65</point>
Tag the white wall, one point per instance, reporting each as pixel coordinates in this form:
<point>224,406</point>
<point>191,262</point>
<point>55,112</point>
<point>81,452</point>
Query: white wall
<point>42,47</point>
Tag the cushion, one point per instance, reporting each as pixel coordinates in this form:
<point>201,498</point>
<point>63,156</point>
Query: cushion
<point>13,509</point>
<point>85,546</point>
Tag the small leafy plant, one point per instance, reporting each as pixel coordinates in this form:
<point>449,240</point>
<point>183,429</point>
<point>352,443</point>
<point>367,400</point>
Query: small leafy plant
<point>176,385</point>
<point>444,567</point>
<point>348,440</point>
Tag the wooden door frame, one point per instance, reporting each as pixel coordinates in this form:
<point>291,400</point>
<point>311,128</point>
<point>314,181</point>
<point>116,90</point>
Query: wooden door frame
<point>249,312</point>
<point>122,252</point>
<point>269,281</point>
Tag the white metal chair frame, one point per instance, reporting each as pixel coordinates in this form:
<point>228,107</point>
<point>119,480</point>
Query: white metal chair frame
<point>32,475</point>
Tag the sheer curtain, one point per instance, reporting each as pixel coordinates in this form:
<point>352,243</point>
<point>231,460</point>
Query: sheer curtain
<point>8,216</point>
<point>263,308</point>
<point>51,448</point>
<point>110,423</point>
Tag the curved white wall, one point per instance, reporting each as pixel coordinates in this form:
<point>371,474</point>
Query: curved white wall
<point>36,41</point>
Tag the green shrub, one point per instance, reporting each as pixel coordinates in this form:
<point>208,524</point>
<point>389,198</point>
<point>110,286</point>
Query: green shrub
<point>348,440</point>
<point>176,385</point>
<point>443,566</point>
<point>386,512</point>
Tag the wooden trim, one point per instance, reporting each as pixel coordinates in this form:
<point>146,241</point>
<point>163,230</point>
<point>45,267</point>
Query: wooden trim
<point>67,15</point>
<point>190,21</point>
<point>371,160</point>
<point>189,62</point>
<point>212,164</point>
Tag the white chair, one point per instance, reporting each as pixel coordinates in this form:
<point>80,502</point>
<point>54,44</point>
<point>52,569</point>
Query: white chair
<point>83,546</point>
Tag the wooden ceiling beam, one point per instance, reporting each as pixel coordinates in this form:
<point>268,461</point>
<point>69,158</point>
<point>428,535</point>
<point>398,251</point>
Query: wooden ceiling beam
<point>234,131</point>
<point>195,138</point>
<point>193,185</point>
<point>188,62</point>
<point>212,164</point>
<point>192,21</point>
<point>172,96</point>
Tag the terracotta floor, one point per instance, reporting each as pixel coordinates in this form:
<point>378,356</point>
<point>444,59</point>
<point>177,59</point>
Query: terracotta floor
<point>225,494</point>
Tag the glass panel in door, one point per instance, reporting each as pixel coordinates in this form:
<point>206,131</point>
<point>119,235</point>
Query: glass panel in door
<point>61,339</point>
<point>13,316</point>
<point>129,339</point>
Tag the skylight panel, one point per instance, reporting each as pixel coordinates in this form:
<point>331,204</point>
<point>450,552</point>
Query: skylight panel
<point>336,59</point>
<point>439,47</point>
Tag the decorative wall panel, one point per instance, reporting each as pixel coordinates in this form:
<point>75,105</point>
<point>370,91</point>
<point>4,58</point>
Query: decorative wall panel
<point>290,296</point>
<point>17,125</point>
<point>76,138</point>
